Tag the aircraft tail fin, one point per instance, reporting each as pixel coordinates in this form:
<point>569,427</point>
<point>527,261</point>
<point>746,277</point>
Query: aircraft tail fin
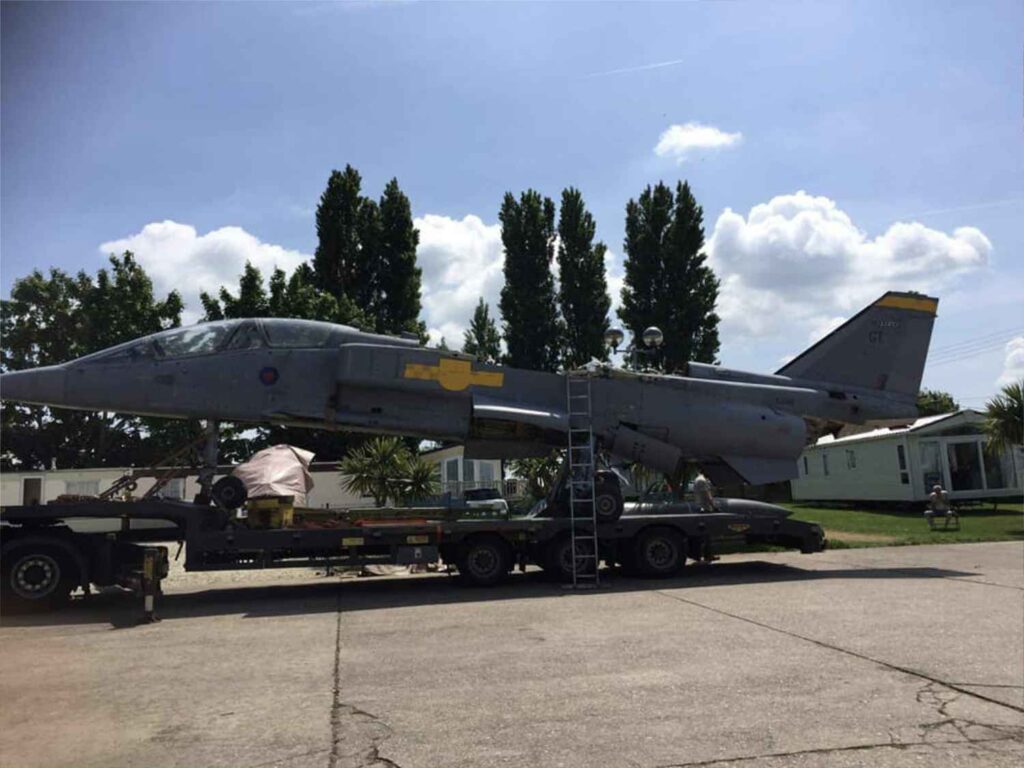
<point>883,347</point>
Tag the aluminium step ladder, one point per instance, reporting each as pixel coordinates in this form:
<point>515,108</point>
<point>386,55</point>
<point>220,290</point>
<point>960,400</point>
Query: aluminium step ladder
<point>580,479</point>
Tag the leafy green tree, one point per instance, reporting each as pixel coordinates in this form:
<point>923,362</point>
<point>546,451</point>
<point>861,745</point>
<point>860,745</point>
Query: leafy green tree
<point>1004,418</point>
<point>294,296</point>
<point>932,402</point>
<point>539,473</point>
<point>482,339</point>
<point>583,289</point>
<point>532,328</point>
<point>366,253</point>
<point>385,468</point>
<point>398,303</point>
<point>668,283</point>
<point>55,318</point>
<point>337,261</point>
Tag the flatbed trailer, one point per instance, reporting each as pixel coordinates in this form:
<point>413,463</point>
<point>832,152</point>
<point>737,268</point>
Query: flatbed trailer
<point>43,559</point>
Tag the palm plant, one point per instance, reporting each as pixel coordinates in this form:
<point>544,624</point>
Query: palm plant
<point>377,468</point>
<point>1004,418</point>
<point>421,479</point>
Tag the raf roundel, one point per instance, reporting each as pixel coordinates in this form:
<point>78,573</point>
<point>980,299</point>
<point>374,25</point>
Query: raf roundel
<point>269,375</point>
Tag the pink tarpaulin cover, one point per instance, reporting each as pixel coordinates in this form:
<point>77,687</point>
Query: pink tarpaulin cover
<point>281,470</point>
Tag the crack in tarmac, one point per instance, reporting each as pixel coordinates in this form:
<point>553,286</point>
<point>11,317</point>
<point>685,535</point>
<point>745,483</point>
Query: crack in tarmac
<point>936,693</point>
<point>840,649</point>
<point>362,731</point>
<point>823,751</point>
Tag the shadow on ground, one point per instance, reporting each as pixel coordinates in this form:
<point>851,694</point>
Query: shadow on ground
<point>122,610</point>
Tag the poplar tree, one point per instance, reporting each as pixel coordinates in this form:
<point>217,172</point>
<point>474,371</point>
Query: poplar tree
<point>531,325</point>
<point>583,289</point>
<point>668,283</point>
<point>482,339</point>
<point>338,225</point>
<point>398,303</point>
<point>366,253</point>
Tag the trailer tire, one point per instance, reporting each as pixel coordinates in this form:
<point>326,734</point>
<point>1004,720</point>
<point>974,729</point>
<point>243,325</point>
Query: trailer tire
<point>484,561</point>
<point>37,578</point>
<point>659,552</point>
<point>558,561</point>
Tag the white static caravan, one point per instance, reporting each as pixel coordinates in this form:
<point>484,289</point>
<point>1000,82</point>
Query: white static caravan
<point>902,464</point>
<point>44,486</point>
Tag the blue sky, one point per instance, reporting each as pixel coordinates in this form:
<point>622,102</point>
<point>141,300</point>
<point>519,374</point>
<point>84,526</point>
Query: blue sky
<point>202,134</point>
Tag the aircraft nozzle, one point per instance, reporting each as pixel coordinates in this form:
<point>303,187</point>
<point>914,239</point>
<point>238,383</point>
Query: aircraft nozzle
<point>39,386</point>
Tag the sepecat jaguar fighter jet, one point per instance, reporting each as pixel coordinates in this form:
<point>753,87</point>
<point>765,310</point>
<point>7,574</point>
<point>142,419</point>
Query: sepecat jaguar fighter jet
<point>737,425</point>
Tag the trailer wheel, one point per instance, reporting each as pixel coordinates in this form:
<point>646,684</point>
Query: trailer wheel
<point>659,552</point>
<point>36,579</point>
<point>607,499</point>
<point>560,555</point>
<point>484,562</point>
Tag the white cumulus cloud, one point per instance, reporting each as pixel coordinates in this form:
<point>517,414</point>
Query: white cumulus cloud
<point>1013,363</point>
<point>462,260</point>
<point>681,141</point>
<point>799,262</point>
<point>178,258</point>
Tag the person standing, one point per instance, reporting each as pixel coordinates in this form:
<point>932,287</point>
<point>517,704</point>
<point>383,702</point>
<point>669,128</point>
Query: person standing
<point>703,494</point>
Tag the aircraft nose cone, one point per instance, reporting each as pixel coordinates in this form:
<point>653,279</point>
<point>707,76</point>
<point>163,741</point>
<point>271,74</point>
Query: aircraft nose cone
<point>40,386</point>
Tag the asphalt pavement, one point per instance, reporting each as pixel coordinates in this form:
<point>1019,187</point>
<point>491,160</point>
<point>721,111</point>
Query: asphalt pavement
<point>885,657</point>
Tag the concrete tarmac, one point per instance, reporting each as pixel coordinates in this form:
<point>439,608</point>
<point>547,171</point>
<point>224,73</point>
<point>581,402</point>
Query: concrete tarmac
<point>904,656</point>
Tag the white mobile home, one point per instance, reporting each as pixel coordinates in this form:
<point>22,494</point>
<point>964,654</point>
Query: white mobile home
<point>44,486</point>
<point>902,464</point>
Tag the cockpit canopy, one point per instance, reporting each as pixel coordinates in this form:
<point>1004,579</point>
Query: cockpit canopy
<point>206,338</point>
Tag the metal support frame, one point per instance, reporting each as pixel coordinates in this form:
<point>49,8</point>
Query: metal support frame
<point>211,440</point>
<point>581,463</point>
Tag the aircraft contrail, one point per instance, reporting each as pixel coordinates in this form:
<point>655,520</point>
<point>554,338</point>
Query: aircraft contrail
<point>640,68</point>
<point>972,207</point>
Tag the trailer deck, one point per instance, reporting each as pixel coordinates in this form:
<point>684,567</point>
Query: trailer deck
<point>44,559</point>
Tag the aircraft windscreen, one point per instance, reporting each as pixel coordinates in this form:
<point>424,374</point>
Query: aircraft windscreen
<point>194,340</point>
<point>141,350</point>
<point>298,333</point>
<point>246,337</point>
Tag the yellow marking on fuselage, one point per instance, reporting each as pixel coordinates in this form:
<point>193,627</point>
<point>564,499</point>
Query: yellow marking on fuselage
<point>454,375</point>
<point>922,304</point>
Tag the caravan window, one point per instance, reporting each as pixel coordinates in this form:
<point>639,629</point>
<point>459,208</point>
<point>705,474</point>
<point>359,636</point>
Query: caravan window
<point>931,465</point>
<point>999,470</point>
<point>965,466</point>
<point>901,456</point>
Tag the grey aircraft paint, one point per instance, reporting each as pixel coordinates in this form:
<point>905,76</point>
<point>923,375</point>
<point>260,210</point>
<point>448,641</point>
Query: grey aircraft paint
<point>737,425</point>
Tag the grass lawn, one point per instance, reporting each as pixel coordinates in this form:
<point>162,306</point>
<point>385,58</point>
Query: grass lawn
<point>870,528</point>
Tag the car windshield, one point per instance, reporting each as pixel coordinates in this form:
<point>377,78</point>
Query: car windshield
<point>194,340</point>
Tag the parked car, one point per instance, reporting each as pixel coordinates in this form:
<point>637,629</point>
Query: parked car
<point>487,499</point>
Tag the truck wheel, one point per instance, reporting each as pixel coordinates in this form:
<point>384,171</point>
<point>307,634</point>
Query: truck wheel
<point>559,560</point>
<point>484,562</point>
<point>659,552</point>
<point>607,499</point>
<point>36,579</point>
